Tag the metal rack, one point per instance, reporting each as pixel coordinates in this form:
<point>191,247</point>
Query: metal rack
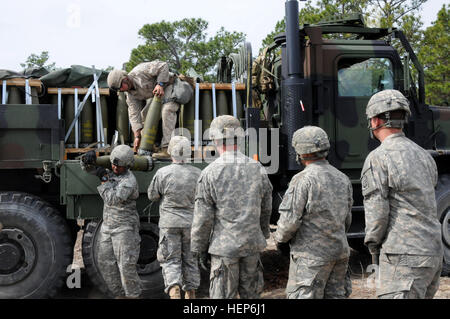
<point>27,83</point>
<point>213,87</point>
<point>94,92</point>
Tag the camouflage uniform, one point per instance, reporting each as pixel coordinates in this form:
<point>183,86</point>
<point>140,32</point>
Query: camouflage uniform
<point>145,77</point>
<point>233,204</point>
<point>119,241</point>
<point>314,215</point>
<point>398,180</point>
<point>175,184</point>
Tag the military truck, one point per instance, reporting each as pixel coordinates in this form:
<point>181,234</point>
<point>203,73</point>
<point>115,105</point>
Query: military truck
<point>324,75</point>
<point>317,80</point>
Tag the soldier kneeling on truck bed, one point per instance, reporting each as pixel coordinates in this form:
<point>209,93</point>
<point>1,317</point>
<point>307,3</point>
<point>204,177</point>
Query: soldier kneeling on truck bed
<point>119,234</point>
<point>314,215</point>
<point>146,80</point>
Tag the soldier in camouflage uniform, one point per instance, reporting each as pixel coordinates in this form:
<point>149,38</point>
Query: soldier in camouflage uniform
<point>233,204</point>
<point>143,82</point>
<point>175,186</point>
<point>403,232</point>
<point>314,215</point>
<point>119,242</point>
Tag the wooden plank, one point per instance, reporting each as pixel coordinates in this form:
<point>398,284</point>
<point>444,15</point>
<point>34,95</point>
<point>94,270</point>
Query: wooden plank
<point>103,91</point>
<point>222,86</point>
<point>21,82</point>
<point>78,150</point>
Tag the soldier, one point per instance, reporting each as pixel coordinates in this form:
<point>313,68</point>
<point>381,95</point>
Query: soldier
<point>403,232</point>
<point>314,215</point>
<point>119,241</point>
<point>233,204</point>
<point>144,81</point>
<point>175,185</point>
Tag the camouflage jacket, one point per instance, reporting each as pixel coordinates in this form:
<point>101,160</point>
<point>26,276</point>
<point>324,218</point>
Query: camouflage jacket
<point>119,196</point>
<point>233,204</point>
<point>175,185</point>
<point>316,213</point>
<point>145,76</point>
<point>398,180</point>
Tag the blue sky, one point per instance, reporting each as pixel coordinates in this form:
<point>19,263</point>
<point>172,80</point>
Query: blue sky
<point>103,32</point>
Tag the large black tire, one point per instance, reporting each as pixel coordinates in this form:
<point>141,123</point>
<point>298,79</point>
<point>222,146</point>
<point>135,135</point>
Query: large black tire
<point>149,269</point>
<point>443,210</point>
<point>35,245</point>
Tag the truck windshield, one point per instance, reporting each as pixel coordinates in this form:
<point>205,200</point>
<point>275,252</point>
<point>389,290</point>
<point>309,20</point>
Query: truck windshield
<point>364,78</point>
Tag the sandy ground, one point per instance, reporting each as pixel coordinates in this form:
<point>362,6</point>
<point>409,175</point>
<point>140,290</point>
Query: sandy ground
<point>277,266</point>
<point>275,277</point>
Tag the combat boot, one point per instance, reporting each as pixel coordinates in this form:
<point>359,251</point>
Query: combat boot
<point>190,294</point>
<point>162,154</point>
<point>174,292</point>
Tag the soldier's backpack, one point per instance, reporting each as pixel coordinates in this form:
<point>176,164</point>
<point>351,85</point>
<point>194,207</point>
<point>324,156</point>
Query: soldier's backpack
<point>182,91</point>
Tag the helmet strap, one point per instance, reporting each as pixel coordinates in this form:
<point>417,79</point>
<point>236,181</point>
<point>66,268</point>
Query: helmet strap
<point>388,122</point>
<point>317,156</point>
<point>372,129</point>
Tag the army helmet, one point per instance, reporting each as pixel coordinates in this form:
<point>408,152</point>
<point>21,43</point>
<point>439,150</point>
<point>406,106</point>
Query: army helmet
<point>122,155</point>
<point>115,78</point>
<point>225,127</point>
<point>387,101</point>
<point>309,140</point>
<point>179,147</point>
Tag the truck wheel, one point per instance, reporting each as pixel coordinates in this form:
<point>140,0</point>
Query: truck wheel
<point>148,267</point>
<point>443,210</point>
<point>35,247</point>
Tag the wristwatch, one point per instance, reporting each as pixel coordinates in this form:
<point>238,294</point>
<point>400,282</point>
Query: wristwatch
<point>161,84</point>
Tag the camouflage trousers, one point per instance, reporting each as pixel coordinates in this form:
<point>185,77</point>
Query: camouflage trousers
<point>408,276</point>
<point>169,120</point>
<point>348,283</point>
<point>230,276</point>
<point>316,279</point>
<point>179,267</point>
<point>118,254</point>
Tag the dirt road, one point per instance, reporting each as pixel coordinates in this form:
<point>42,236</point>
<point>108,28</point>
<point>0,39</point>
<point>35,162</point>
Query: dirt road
<point>276,273</point>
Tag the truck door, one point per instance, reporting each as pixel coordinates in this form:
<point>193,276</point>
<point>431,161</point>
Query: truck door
<point>358,78</point>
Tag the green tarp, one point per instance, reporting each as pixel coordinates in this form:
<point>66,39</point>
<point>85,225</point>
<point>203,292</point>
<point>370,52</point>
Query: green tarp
<point>76,75</point>
<point>27,73</point>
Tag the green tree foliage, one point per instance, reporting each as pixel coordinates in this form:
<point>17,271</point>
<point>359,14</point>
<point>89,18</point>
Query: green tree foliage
<point>324,10</point>
<point>184,45</point>
<point>403,14</point>
<point>391,12</point>
<point>35,60</point>
<point>433,55</point>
